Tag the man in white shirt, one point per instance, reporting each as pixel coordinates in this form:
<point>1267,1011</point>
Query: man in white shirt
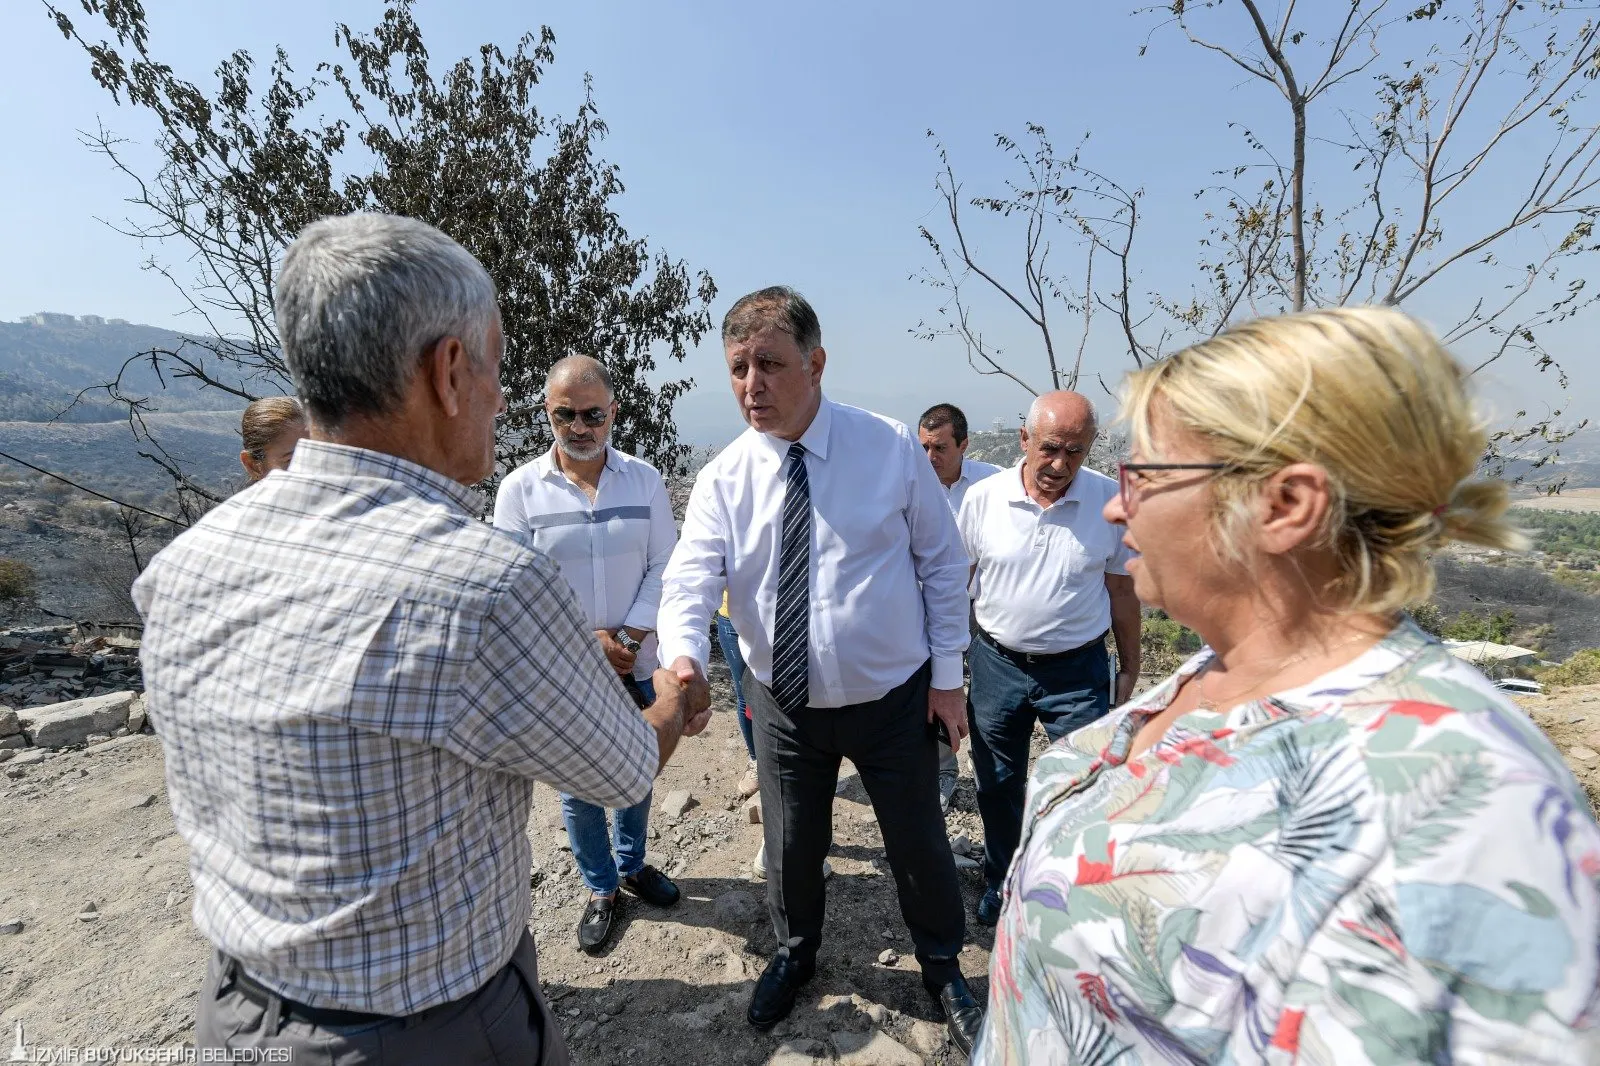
<point>1051,577</point>
<point>606,521</point>
<point>942,431</point>
<point>846,583</point>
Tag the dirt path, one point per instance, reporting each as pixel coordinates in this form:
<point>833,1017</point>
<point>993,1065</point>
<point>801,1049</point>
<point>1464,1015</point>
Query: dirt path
<point>94,827</point>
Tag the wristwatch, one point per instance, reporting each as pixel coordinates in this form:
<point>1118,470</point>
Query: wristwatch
<point>626,640</point>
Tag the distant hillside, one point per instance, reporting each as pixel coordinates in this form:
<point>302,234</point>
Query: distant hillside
<point>988,446</point>
<point>47,359</point>
<point>1578,464</point>
<point>105,455</point>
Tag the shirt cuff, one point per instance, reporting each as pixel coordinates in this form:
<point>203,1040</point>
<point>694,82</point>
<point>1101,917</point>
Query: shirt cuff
<point>946,672</point>
<point>671,648</point>
<point>641,617</point>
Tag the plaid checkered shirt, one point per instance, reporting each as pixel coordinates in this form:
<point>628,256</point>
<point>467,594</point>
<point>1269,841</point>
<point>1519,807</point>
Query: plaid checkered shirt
<point>357,683</point>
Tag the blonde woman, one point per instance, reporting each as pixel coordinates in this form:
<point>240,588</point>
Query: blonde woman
<point>1324,839</point>
<point>270,430</point>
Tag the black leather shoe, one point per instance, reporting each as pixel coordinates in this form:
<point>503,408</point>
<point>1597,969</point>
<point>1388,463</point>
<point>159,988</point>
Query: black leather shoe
<point>594,928</point>
<point>988,912</point>
<point>775,993</point>
<point>652,886</point>
<point>962,1015</point>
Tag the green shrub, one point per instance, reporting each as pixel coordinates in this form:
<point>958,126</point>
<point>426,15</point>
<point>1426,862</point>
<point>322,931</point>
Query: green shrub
<point>1581,579</point>
<point>1582,669</point>
<point>1165,644</point>
<point>18,580</point>
<point>1429,618</point>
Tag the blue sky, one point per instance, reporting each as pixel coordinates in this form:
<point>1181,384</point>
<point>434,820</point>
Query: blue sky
<point>764,143</point>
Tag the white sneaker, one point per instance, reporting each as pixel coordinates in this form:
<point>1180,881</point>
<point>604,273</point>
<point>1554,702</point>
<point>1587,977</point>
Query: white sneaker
<point>749,784</point>
<point>758,865</point>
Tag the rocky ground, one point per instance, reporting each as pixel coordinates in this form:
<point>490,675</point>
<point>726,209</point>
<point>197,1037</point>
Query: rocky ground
<point>106,955</point>
<point>1571,718</point>
<point>97,947</point>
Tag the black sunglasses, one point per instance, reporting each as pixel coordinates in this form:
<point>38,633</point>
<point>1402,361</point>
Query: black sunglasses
<point>594,416</point>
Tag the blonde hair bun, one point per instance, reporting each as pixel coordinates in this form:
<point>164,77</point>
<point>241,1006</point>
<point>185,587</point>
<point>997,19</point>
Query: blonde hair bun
<point>1371,396</point>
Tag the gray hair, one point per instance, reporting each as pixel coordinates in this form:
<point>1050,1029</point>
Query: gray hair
<point>776,305</point>
<point>361,297</point>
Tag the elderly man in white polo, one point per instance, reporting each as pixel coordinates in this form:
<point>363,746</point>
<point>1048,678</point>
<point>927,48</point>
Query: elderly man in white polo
<point>1051,577</point>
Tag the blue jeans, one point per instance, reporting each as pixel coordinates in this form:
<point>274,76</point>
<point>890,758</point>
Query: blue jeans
<point>586,831</point>
<point>1005,699</point>
<point>728,641</point>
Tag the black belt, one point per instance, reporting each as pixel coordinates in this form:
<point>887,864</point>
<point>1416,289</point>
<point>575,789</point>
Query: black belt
<point>261,995</point>
<point>1028,658</point>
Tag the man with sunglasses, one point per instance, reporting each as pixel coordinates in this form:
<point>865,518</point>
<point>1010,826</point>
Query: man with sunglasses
<point>1050,577</point>
<point>606,520</point>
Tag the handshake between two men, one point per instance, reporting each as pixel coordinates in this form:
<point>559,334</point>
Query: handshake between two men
<point>682,706</point>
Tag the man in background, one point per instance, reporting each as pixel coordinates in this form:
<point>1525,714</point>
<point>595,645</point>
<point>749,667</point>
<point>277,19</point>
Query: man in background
<point>1051,578</point>
<point>942,431</point>
<point>357,683</point>
<point>606,520</point>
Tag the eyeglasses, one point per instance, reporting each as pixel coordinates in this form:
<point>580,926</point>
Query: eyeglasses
<point>594,416</point>
<point>1126,472</point>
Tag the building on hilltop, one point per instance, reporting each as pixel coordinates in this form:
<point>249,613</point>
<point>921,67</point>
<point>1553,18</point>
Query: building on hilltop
<point>50,318</point>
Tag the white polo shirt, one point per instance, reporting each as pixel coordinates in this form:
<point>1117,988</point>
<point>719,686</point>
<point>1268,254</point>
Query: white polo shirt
<point>972,472</point>
<point>1040,580</point>
<point>611,551</point>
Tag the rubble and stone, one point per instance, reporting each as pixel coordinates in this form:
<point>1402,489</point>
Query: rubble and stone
<point>68,686</point>
<point>73,723</point>
<point>42,665</point>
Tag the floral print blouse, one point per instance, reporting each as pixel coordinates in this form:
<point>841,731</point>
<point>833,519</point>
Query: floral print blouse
<point>1388,865</point>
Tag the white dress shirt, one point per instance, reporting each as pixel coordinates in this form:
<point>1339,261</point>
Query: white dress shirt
<point>1041,570</point>
<point>888,579</point>
<point>612,550</point>
<point>972,472</point>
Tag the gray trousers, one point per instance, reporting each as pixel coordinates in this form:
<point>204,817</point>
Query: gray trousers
<point>506,1021</point>
<point>797,760</point>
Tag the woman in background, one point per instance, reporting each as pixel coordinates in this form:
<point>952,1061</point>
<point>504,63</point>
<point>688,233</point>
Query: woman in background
<point>270,429</point>
<point>1325,839</point>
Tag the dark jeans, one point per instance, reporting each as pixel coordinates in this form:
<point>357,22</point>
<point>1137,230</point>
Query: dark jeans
<point>728,641</point>
<point>1005,698</point>
<point>507,1020</point>
<point>889,742</point>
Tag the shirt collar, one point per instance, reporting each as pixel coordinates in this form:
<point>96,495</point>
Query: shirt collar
<point>342,460</point>
<point>967,473</point>
<point>1018,493</point>
<point>814,439</point>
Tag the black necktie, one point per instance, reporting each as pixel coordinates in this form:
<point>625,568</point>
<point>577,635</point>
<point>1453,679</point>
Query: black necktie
<point>791,627</point>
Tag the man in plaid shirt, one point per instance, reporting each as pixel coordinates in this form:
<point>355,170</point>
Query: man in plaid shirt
<point>358,683</point>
